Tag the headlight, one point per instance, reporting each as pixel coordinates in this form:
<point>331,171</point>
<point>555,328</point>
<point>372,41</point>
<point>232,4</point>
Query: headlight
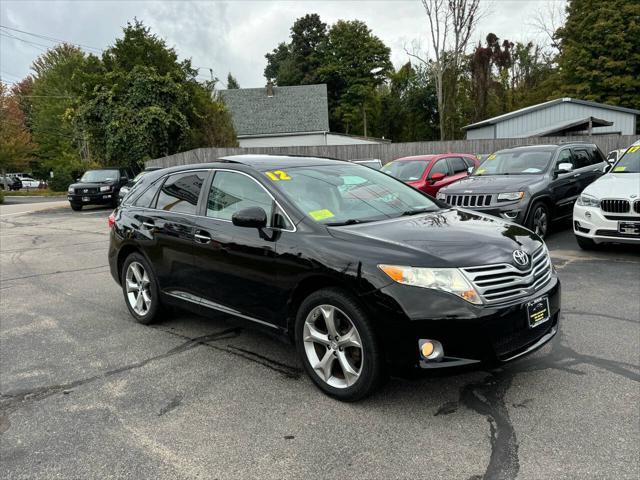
<point>69,190</point>
<point>510,196</point>
<point>445,279</point>
<point>441,196</point>
<point>106,188</point>
<point>588,201</point>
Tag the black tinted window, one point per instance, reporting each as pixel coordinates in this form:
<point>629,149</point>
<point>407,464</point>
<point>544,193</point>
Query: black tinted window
<point>147,196</point>
<point>439,167</point>
<point>180,192</point>
<point>581,158</point>
<point>457,165</point>
<point>469,162</point>
<point>231,192</point>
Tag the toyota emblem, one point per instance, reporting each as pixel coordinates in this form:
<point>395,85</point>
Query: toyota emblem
<point>521,258</point>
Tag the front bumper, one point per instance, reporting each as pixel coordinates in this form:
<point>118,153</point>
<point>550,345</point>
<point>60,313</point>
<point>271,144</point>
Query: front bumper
<point>468,333</point>
<point>92,199</point>
<point>591,223</point>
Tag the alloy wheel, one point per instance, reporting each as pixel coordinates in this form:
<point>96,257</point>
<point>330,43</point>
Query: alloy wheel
<point>333,346</point>
<point>137,286</point>
<point>540,221</point>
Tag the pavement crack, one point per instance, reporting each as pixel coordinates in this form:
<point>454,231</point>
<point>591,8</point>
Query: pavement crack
<point>173,404</point>
<point>488,398</point>
<point>12,400</point>
<point>603,315</point>
<point>53,273</point>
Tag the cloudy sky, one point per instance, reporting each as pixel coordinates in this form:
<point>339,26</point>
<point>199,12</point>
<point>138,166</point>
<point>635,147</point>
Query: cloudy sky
<point>230,36</point>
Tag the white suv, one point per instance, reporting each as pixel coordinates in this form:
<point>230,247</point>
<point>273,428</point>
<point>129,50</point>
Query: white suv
<point>608,210</point>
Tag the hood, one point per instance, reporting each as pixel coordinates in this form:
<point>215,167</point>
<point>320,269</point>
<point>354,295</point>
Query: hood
<point>492,183</point>
<point>615,185</point>
<point>91,184</point>
<point>449,238</point>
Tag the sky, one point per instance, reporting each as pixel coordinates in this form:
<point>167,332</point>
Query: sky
<point>230,36</point>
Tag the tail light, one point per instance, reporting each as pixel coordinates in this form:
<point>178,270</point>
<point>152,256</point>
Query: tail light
<point>112,219</point>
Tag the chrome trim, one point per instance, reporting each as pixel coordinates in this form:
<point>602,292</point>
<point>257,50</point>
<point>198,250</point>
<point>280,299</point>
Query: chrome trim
<point>511,282</point>
<point>215,306</point>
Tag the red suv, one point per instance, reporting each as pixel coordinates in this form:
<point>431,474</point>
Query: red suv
<point>429,173</point>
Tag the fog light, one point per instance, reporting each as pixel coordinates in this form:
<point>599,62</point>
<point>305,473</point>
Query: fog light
<point>510,215</point>
<point>431,350</point>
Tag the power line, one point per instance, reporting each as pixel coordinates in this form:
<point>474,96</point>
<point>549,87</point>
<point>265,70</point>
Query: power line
<point>51,39</point>
<point>33,44</point>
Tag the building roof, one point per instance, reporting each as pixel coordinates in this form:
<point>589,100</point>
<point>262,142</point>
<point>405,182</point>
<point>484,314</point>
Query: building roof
<point>296,109</point>
<point>540,106</point>
<point>569,126</point>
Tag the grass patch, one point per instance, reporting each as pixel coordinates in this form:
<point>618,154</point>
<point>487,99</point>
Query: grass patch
<point>36,192</point>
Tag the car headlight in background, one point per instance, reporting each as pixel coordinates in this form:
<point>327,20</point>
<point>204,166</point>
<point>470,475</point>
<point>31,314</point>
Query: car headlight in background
<point>510,196</point>
<point>69,190</point>
<point>446,279</point>
<point>588,201</point>
<point>106,188</point>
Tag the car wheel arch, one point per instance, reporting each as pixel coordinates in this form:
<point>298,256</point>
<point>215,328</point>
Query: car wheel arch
<point>124,252</point>
<point>546,200</point>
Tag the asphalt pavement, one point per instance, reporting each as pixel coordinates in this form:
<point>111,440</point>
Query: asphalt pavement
<point>86,392</point>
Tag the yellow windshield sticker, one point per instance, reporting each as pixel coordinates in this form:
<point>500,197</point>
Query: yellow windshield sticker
<point>277,175</point>
<point>481,170</point>
<point>633,149</point>
<point>619,169</point>
<point>321,214</point>
<point>491,157</point>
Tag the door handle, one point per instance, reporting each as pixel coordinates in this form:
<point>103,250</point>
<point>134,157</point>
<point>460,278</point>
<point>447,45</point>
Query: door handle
<point>149,225</point>
<point>577,175</point>
<point>202,237</point>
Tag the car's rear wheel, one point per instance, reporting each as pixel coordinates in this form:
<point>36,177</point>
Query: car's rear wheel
<point>76,207</point>
<point>585,243</point>
<point>140,289</point>
<point>539,219</point>
<point>338,346</point>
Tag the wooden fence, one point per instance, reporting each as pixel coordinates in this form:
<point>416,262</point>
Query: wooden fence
<point>389,151</point>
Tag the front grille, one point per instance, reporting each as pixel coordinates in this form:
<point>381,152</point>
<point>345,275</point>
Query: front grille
<point>624,218</point>
<point>615,233</point>
<point>504,282</point>
<point>636,206</point>
<point>81,191</point>
<point>514,342</point>
<point>469,200</point>
<point>615,206</point>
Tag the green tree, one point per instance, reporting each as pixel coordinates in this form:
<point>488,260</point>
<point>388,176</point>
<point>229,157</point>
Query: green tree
<point>232,83</point>
<point>15,140</point>
<point>600,51</point>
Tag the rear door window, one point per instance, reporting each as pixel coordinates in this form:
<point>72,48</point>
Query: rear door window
<point>180,192</point>
<point>457,165</point>
<point>582,158</point>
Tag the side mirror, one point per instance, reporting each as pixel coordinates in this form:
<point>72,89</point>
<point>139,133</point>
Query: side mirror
<point>563,168</point>
<point>436,177</point>
<point>251,217</point>
<point>607,168</point>
<point>470,170</point>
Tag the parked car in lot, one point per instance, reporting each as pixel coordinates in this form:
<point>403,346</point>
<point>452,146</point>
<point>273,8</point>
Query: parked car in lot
<point>97,187</point>
<point>608,210</point>
<point>29,182</point>
<point>529,185</point>
<point>124,190</point>
<point>10,183</point>
<point>371,163</point>
<point>430,173</point>
<point>356,268</point>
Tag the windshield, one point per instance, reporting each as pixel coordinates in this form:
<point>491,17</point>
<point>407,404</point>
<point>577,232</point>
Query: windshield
<point>629,162</point>
<point>345,194</point>
<point>406,170</point>
<point>100,176</point>
<point>515,162</point>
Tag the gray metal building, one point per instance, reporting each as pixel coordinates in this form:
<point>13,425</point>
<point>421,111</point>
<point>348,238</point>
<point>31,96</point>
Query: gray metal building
<point>560,117</point>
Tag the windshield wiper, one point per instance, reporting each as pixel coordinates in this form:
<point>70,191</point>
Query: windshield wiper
<point>417,211</point>
<point>351,221</point>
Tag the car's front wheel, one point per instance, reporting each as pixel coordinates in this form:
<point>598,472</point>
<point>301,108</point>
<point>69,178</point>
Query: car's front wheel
<point>539,219</point>
<point>585,243</point>
<point>76,207</point>
<point>140,289</point>
<point>338,346</point>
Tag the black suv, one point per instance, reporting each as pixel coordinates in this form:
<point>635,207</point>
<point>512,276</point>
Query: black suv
<point>362,272</point>
<point>98,187</point>
<point>530,185</point>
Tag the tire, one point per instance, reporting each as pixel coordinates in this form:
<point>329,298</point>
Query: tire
<point>539,220</point>
<point>136,270</point>
<point>585,243</point>
<point>342,370</point>
<point>76,207</point>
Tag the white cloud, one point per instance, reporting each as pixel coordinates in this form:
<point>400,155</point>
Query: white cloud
<point>229,36</point>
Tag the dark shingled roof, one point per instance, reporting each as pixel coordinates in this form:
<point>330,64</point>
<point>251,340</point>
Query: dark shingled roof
<point>302,108</point>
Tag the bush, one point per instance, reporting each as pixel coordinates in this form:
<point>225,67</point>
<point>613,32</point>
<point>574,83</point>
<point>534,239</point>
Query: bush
<point>1,196</point>
<point>61,180</point>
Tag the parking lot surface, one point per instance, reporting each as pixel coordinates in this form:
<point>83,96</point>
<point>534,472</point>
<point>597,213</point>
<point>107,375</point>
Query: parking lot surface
<point>86,392</point>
